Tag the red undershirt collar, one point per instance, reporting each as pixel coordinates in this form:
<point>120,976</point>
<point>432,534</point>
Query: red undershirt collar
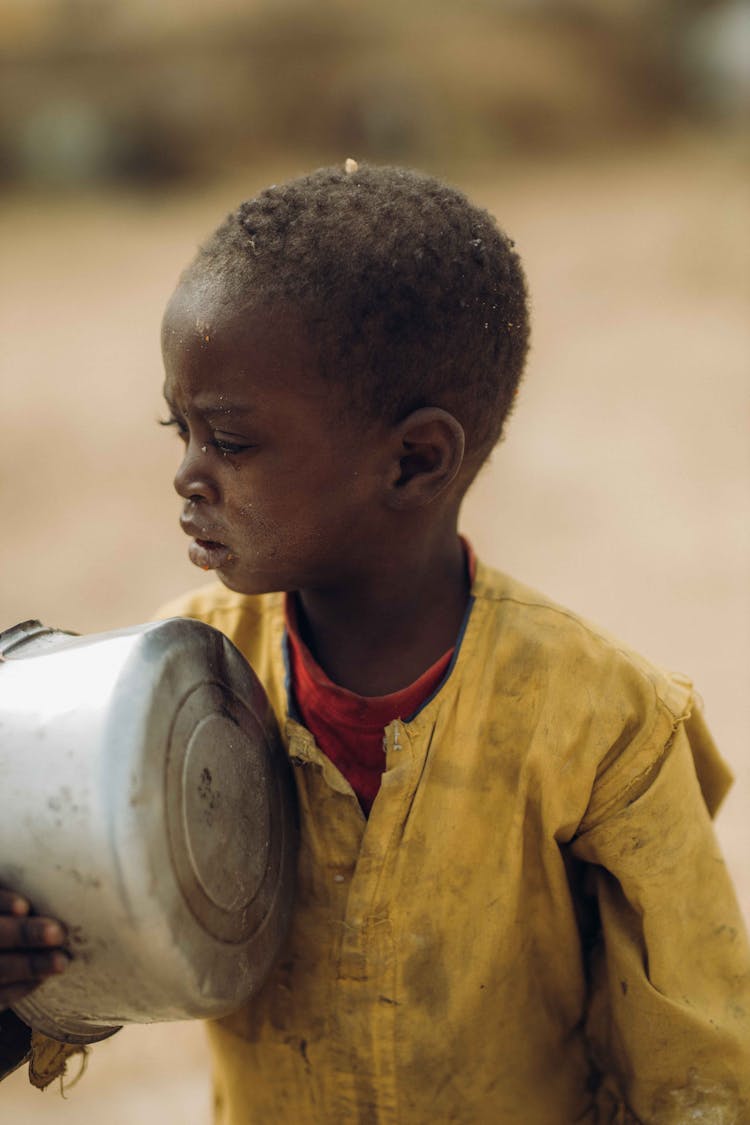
<point>348,727</point>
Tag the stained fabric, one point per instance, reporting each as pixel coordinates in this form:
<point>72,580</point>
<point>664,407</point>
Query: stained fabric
<point>535,924</point>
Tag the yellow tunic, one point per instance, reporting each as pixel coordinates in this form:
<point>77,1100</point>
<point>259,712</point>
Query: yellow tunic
<point>534,927</point>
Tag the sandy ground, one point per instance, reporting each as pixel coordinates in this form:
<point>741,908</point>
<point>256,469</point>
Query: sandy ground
<point>621,489</point>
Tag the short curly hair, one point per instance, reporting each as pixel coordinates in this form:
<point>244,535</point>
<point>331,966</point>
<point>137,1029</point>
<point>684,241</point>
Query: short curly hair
<point>413,295</point>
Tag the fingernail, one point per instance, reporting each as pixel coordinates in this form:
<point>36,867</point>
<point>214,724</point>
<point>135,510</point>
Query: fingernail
<point>20,906</point>
<point>59,962</point>
<point>53,933</point>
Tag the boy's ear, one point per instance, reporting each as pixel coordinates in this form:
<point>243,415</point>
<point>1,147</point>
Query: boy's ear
<point>429,451</point>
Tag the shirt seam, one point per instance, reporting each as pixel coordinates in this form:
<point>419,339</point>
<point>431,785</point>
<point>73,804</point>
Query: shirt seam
<point>605,642</point>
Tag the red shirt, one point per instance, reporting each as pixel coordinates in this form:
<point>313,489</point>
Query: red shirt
<point>347,727</point>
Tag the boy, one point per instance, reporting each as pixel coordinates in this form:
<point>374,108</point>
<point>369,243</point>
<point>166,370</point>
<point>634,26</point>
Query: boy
<point>510,903</point>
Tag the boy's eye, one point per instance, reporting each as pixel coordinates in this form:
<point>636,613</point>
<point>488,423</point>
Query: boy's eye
<point>178,425</point>
<point>223,446</point>
<point>229,446</point>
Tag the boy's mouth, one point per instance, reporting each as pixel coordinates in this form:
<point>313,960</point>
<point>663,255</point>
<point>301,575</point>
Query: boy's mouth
<point>209,555</point>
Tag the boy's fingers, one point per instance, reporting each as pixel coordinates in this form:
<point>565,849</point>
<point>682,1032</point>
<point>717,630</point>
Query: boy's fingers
<point>18,967</point>
<point>12,903</point>
<point>29,933</point>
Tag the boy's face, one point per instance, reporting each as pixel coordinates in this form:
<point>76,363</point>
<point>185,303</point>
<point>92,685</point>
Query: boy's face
<point>282,490</point>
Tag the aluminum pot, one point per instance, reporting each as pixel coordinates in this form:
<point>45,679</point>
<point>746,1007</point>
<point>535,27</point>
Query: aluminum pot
<point>146,802</point>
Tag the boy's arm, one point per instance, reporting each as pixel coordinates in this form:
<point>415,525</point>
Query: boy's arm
<point>669,1015</point>
<point>15,1043</point>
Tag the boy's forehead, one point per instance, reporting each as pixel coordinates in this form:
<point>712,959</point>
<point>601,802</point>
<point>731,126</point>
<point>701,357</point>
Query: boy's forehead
<point>206,307</point>
<point>196,307</point>
<point>216,342</point>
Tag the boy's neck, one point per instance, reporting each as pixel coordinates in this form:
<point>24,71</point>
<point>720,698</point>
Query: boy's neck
<point>382,634</point>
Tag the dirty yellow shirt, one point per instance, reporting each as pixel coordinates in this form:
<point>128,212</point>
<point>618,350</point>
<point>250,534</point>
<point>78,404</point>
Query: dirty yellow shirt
<point>534,927</point>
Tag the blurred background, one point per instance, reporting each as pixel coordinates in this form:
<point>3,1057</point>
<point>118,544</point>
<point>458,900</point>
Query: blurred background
<point>610,139</point>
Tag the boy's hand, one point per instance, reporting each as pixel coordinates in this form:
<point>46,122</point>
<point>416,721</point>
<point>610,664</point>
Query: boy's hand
<point>30,948</point>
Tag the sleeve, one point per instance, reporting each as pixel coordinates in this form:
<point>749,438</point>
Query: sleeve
<point>669,1011</point>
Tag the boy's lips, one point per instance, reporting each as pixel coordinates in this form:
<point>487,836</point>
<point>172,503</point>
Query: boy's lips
<point>209,555</point>
<point>206,552</point>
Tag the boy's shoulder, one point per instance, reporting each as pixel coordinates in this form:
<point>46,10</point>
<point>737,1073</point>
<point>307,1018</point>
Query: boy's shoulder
<point>514,619</point>
<point>551,636</point>
<point>589,689</point>
<point>523,654</point>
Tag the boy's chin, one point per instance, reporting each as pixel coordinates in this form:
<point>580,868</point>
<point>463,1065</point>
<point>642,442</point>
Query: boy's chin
<point>247,583</point>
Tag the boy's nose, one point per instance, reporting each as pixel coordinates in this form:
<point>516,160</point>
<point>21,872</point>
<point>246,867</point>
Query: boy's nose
<point>192,481</point>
